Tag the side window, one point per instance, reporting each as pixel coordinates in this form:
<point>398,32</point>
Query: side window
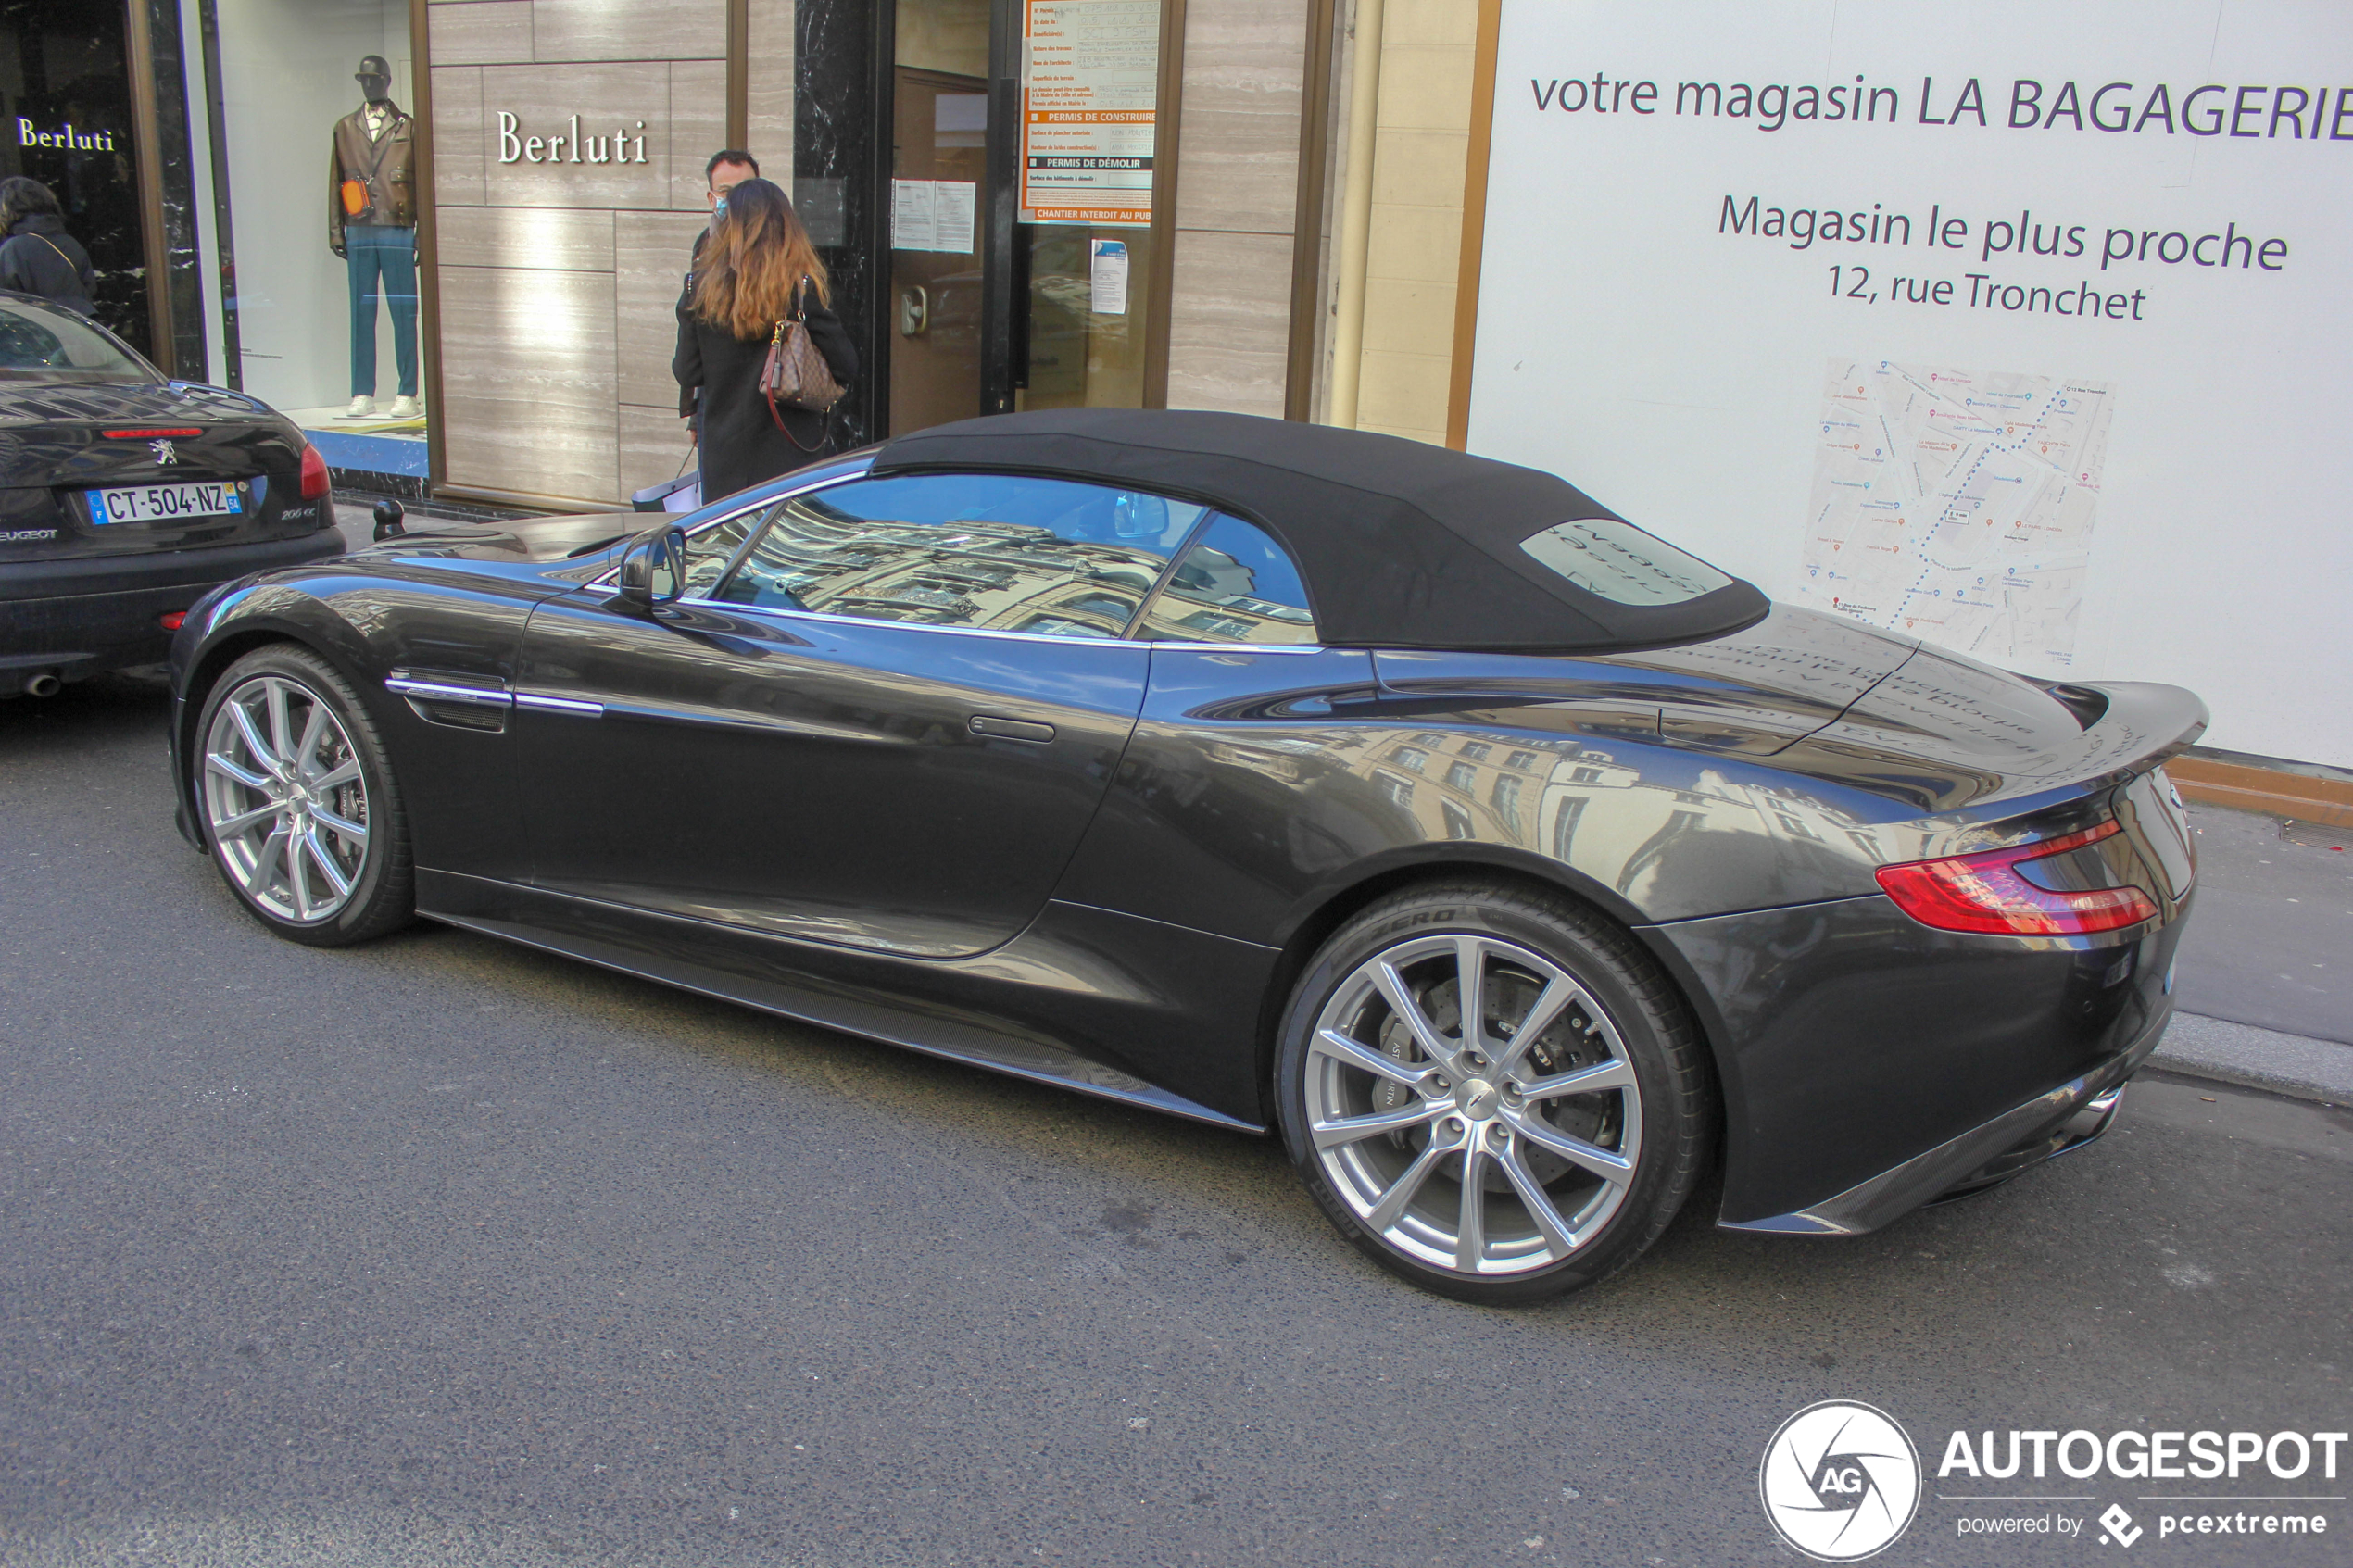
<point>1001,551</point>
<point>1235,585</point>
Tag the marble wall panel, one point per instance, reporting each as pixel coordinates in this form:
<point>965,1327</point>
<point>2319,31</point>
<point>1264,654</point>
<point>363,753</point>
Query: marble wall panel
<point>1229,322</point>
<point>527,380</point>
<point>610,100</point>
<point>478,32</point>
<point>653,445</point>
<point>456,133</point>
<point>628,30</point>
<point>1238,135</point>
<point>769,44</point>
<point>650,254</point>
<point>556,238</point>
<point>697,128</point>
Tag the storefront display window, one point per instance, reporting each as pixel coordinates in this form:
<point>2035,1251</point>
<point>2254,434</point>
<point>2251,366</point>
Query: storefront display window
<point>321,220</point>
<point>64,93</point>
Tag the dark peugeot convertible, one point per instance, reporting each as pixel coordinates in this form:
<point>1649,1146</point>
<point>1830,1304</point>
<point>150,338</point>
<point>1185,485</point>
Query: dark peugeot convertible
<point>1519,866</point>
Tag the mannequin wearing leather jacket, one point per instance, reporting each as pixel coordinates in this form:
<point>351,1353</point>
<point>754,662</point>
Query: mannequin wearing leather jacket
<point>372,223</point>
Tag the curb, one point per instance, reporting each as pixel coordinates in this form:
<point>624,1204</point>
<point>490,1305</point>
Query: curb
<point>2256,1059</point>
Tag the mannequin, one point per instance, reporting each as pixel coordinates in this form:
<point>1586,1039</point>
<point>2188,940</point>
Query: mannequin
<point>372,223</point>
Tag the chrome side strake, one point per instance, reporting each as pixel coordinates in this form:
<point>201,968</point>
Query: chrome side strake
<point>491,696</point>
<point>546,704</point>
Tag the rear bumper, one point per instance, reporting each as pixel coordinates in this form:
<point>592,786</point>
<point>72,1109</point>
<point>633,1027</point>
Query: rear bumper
<point>1870,1064</point>
<point>82,616</point>
<point>2052,1124</point>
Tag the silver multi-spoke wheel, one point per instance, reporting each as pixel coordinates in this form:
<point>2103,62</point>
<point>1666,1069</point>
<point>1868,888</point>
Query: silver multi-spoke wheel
<point>1473,1104</point>
<point>285,800</point>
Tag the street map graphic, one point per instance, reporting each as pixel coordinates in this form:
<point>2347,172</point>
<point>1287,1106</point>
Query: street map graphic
<point>1955,506</point>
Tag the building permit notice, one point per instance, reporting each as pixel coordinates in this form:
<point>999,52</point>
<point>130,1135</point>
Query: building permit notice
<point>1955,506</point>
<point>1089,88</point>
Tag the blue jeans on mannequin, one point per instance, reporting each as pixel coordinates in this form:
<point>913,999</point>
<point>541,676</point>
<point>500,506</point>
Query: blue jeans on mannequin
<point>382,260</point>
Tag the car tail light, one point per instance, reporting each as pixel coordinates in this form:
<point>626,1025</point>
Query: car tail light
<point>171,620</point>
<point>1986,892</point>
<point>181,430</point>
<point>315,482</point>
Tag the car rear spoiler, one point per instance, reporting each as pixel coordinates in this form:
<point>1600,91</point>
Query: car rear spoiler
<point>2138,726</point>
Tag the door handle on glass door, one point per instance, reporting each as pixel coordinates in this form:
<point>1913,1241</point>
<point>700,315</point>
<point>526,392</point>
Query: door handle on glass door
<point>914,310</point>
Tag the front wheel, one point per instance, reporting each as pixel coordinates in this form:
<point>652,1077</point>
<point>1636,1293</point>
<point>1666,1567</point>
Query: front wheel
<point>1494,1093</point>
<point>299,806</point>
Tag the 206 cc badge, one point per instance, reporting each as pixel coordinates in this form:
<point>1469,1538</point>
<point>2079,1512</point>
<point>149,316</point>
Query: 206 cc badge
<point>1841,1481</point>
<point>165,452</point>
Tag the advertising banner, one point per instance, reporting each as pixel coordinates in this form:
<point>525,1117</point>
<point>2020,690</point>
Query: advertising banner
<point>1090,86</point>
<point>2026,341</point>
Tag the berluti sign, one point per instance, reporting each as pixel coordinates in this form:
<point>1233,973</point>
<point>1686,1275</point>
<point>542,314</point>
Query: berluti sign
<point>622,146</point>
<point>569,142</point>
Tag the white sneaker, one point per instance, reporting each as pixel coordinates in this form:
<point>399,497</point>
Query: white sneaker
<point>407,408</point>
<point>363,407</point>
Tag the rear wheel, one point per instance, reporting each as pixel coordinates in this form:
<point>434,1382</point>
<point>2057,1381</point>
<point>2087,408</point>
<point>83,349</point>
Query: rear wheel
<point>298,801</point>
<point>1494,1093</point>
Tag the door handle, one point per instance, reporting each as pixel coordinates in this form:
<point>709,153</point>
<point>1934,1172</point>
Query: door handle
<point>1012,728</point>
<point>914,310</point>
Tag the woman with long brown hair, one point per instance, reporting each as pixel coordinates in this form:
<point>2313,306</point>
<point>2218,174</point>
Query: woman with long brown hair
<point>758,270</point>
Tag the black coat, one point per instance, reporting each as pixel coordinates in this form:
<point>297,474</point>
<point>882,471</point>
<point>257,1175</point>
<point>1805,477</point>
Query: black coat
<point>40,258</point>
<point>741,445</point>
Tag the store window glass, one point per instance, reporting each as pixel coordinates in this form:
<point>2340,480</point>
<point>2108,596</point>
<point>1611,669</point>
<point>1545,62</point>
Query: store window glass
<point>65,92</point>
<point>1085,247</point>
<point>1006,552</point>
<point>320,313</point>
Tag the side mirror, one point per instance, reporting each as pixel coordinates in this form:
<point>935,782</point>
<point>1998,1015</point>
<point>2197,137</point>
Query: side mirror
<point>653,568</point>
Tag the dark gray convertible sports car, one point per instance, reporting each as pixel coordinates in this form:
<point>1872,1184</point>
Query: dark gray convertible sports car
<point>1519,867</point>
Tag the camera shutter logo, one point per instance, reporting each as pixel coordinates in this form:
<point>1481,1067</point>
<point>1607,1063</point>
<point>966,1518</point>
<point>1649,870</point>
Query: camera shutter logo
<point>1839,1481</point>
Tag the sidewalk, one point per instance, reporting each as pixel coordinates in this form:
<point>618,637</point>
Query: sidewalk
<point>2265,978</point>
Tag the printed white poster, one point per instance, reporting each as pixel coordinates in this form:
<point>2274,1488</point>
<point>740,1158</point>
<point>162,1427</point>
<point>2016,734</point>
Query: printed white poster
<point>2024,340</point>
<point>1089,92</point>
<point>1108,277</point>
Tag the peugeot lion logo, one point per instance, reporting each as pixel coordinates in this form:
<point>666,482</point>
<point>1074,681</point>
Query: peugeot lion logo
<point>1841,1481</point>
<point>165,452</point>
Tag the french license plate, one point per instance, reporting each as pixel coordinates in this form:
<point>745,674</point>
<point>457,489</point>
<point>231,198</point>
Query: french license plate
<point>165,503</point>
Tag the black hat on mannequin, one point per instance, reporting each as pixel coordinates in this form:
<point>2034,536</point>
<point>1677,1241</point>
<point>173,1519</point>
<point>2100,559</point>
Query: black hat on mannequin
<point>375,75</point>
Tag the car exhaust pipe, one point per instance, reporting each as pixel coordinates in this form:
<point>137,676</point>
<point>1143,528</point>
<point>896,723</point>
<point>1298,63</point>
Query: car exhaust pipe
<point>43,685</point>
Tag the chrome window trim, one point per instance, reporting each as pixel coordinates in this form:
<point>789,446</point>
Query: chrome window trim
<point>998,632</point>
<point>487,696</point>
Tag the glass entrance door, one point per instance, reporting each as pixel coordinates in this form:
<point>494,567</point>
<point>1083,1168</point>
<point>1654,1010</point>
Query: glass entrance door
<point>1046,207</point>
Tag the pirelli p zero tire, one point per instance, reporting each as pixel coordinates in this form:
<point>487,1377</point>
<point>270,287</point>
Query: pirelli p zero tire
<point>299,807</point>
<point>1533,1151</point>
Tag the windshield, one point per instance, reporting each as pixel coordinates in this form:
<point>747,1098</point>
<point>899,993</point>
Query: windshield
<point>1621,563</point>
<point>45,344</point>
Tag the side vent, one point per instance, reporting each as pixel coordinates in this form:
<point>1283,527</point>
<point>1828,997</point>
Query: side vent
<point>461,715</point>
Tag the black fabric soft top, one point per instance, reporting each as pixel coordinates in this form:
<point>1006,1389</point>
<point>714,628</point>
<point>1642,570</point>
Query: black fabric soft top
<point>1402,545</point>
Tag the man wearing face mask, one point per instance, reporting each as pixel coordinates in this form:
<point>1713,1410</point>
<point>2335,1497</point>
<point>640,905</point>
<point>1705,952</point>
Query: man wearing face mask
<point>728,167</point>
<point>372,223</point>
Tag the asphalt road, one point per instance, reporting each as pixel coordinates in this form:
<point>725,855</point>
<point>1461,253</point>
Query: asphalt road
<point>441,1251</point>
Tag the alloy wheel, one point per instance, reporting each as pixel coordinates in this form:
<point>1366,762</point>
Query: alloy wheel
<point>285,800</point>
<point>1473,1104</point>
